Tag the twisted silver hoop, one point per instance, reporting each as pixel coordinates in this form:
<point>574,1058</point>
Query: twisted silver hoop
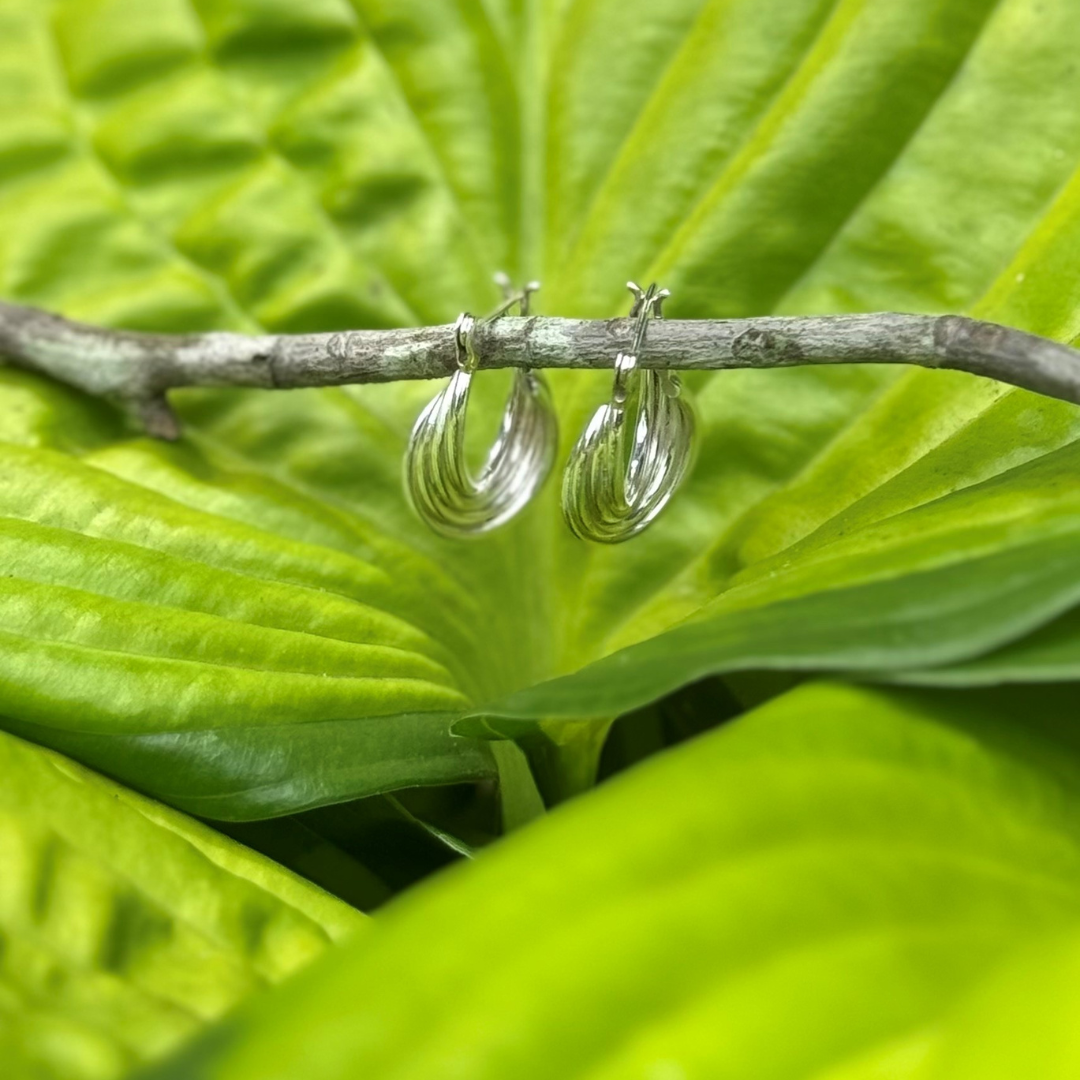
<point>441,488</point>
<point>617,482</point>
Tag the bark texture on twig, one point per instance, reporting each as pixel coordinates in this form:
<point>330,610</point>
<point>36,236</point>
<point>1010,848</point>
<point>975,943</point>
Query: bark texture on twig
<point>138,369</point>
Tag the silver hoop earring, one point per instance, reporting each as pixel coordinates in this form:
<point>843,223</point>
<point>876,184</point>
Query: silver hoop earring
<point>617,481</point>
<point>441,488</point>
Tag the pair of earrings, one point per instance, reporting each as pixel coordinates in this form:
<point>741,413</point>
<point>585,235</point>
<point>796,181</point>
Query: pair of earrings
<point>617,480</point>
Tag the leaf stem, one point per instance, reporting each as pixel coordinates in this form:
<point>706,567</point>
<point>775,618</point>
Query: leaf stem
<point>565,760</point>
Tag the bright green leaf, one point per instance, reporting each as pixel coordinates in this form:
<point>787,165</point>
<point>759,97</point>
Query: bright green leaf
<point>252,621</point>
<point>125,927</point>
<point>1022,1023</point>
<point>813,886</point>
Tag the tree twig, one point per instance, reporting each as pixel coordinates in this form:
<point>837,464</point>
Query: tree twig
<point>139,369</point>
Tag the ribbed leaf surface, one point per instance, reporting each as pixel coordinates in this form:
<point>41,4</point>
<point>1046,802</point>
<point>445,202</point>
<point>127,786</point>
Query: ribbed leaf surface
<point>126,927</point>
<point>252,621</point>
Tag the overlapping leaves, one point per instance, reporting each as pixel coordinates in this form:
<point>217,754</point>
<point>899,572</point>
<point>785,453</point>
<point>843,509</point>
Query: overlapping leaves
<point>780,898</point>
<point>251,621</point>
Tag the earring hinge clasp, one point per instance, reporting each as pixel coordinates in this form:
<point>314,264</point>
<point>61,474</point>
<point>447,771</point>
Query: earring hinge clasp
<point>465,326</point>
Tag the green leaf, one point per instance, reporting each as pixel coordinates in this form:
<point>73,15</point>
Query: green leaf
<point>126,927</point>
<point>1022,1023</point>
<point>813,886</point>
<point>1051,654</point>
<point>252,622</point>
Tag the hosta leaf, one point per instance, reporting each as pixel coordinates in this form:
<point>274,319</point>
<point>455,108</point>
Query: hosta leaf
<point>125,927</point>
<point>1023,1022</point>
<point>858,610</point>
<point>815,885</point>
<point>252,621</point>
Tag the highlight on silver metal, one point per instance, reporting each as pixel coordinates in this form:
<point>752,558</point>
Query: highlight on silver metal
<point>620,475</point>
<point>440,485</point>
